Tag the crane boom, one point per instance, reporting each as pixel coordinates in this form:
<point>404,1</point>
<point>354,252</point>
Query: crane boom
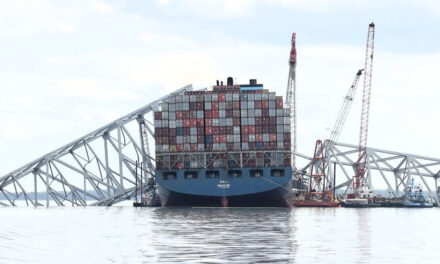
<point>291,95</point>
<point>365,107</point>
<point>343,112</point>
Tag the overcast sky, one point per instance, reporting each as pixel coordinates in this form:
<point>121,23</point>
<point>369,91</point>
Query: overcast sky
<point>69,67</point>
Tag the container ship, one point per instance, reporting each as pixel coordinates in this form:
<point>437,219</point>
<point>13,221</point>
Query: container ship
<point>227,147</point>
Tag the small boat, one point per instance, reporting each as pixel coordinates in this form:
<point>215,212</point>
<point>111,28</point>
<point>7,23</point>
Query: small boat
<point>363,199</point>
<point>414,197</point>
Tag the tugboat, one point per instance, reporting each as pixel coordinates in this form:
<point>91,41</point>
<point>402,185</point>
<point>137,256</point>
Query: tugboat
<point>414,197</point>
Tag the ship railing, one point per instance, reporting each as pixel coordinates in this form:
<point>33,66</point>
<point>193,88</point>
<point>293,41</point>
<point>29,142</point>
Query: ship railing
<point>230,159</point>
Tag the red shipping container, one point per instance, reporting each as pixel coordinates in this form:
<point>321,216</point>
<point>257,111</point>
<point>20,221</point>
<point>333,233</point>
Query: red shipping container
<point>208,130</point>
<point>216,139</point>
<point>221,97</point>
<point>179,115</point>
<point>252,146</point>
<point>258,137</point>
<point>258,121</point>
<point>244,138</point>
<point>185,114</point>
<point>192,106</point>
<point>199,106</point>
<point>157,115</point>
<point>193,122</point>
<point>222,138</point>
<point>260,154</point>
<point>230,146</point>
<point>186,123</point>
<point>208,122</point>
<point>251,129</point>
<point>272,145</point>
<point>215,130</point>
<point>265,104</point>
<point>265,145</point>
<point>208,114</point>
<point>287,162</point>
<point>266,129</point>
<point>273,137</point>
<point>245,129</point>
<point>214,106</point>
<point>228,113</point>
<point>179,147</point>
<point>200,122</point>
<point>200,139</point>
<point>273,121</point>
<point>158,140</point>
<point>193,147</point>
<point>286,137</point>
<point>257,104</point>
<point>279,104</point>
<point>214,114</point>
<point>235,105</point>
<point>229,130</point>
<point>236,121</point>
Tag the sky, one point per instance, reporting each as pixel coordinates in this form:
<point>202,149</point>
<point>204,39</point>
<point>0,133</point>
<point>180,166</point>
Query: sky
<point>69,67</point>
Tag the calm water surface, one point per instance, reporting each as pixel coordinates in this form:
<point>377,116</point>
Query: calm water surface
<point>214,235</point>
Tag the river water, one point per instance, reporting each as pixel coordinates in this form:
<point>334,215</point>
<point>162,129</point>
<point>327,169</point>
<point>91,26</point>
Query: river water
<point>215,235</point>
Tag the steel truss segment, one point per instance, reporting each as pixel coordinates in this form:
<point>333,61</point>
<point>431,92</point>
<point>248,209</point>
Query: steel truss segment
<point>86,171</point>
<point>390,169</point>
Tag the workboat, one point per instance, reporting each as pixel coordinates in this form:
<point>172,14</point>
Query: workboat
<point>414,196</point>
<point>363,198</point>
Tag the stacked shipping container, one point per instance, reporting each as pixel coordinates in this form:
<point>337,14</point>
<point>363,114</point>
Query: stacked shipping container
<point>228,127</point>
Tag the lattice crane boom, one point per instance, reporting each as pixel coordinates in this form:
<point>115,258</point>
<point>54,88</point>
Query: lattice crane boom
<point>343,112</point>
<point>291,95</point>
<point>363,135</point>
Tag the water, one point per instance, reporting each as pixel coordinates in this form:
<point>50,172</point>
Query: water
<point>216,235</point>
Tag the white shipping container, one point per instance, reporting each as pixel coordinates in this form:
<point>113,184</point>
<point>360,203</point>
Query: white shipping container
<point>266,137</point>
<point>185,106</point>
<point>172,107</point>
<point>257,113</point>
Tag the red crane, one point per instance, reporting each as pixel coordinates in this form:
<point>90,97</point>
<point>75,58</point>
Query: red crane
<point>368,69</point>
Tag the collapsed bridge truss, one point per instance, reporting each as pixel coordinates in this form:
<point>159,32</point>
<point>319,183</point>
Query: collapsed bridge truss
<point>96,169</point>
<point>386,170</point>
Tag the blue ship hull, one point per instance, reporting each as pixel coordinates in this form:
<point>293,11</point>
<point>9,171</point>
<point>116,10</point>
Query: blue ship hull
<point>248,187</point>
